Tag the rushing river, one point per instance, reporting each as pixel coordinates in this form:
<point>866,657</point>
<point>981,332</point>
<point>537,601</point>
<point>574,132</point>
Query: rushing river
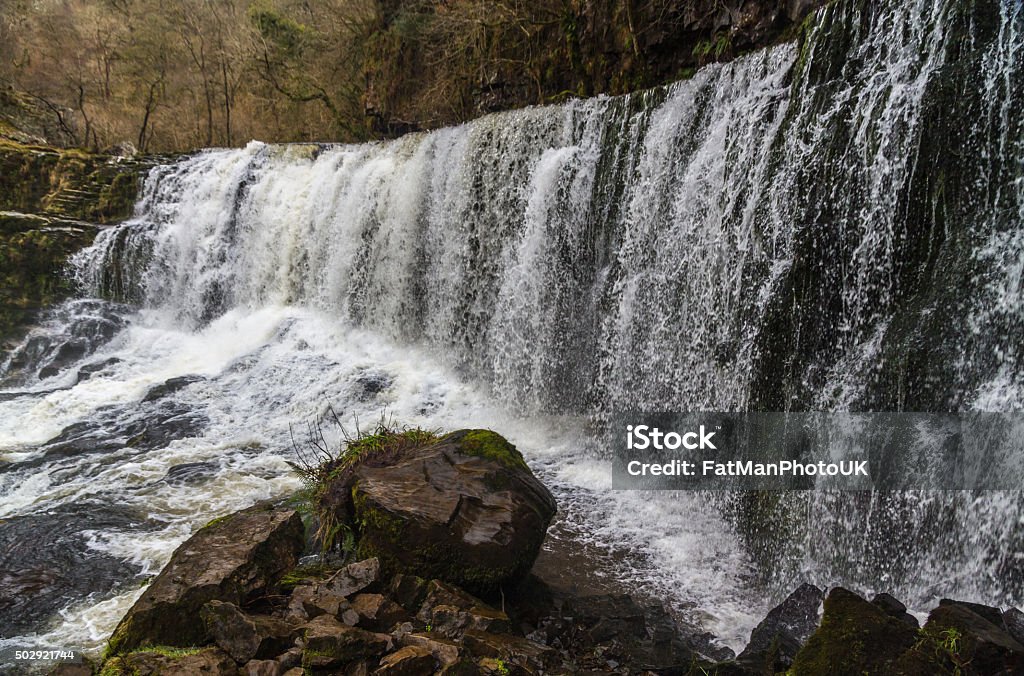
<point>835,225</point>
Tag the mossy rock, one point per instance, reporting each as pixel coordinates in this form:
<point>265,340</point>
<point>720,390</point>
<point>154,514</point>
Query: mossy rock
<point>71,184</point>
<point>465,509</point>
<point>956,639</point>
<point>34,251</point>
<point>235,560</point>
<point>854,638</point>
<point>170,660</point>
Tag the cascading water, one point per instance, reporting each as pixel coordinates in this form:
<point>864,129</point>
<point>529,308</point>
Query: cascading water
<point>838,226</point>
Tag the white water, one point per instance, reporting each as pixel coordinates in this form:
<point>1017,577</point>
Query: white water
<point>529,269</point>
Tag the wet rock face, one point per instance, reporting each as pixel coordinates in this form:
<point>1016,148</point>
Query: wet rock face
<point>466,510</point>
<point>778,638</point>
<point>983,644</point>
<point>854,637</point>
<point>49,202</point>
<point>858,637</point>
<point>33,253</point>
<point>232,560</point>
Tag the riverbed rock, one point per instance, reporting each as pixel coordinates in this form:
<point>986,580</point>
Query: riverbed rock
<point>377,612</point>
<point>408,661</point>
<point>854,637</point>
<point>891,606</point>
<point>445,651</point>
<point>245,637</point>
<point>775,642</point>
<point>1013,622</point>
<point>164,662</point>
<point>262,668</point>
<point>353,578</point>
<point>991,614</point>
<point>984,646</point>
<point>234,560</point>
<point>466,510</point>
<point>521,652</point>
<point>330,643</point>
<point>408,591</point>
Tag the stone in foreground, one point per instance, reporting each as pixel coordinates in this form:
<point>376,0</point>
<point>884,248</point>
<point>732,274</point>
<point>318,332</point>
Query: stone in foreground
<point>234,560</point>
<point>466,510</point>
<point>245,637</point>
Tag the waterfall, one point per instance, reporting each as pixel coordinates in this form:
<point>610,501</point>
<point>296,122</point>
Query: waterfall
<point>836,224</point>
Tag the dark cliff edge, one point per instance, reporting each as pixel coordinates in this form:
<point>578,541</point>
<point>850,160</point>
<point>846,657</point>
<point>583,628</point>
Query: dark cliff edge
<point>547,54</point>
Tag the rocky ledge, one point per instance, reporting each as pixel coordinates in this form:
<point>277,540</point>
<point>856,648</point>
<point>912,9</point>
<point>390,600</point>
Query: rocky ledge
<point>424,547</point>
<point>52,204</point>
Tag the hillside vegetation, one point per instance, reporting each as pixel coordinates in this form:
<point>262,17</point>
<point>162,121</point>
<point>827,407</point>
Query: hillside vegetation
<point>175,75</point>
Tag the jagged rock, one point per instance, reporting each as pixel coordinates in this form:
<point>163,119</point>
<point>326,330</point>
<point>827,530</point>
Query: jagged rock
<point>439,593</point>
<point>262,668</point>
<point>408,591</point>
<point>329,643</point>
<point>453,622</point>
<point>245,637</point>
<point>234,559</point>
<point>992,615</point>
<point>894,608</point>
<point>170,386</point>
<point>353,578</point>
<point>596,628</point>
<point>377,612</point>
<point>449,611</point>
<point>1013,622</point>
<point>445,651</point>
<point>211,661</point>
<point>520,652</point>
<point>466,510</point>
<point>777,639</point>
<point>408,661</point>
<point>300,604</point>
<point>290,659</point>
<point>357,668</point>
<point>854,637</point>
<point>985,647</point>
<point>295,671</point>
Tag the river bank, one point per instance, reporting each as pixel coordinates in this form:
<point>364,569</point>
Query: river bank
<point>369,574</point>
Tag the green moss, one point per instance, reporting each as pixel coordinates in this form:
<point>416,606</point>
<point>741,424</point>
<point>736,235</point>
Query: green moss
<point>219,520</point>
<point>114,667</point>
<point>329,484</point>
<point>69,183</point>
<point>118,665</point>
<point>487,444</point>
<point>854,638</point>
<point>169,651</point>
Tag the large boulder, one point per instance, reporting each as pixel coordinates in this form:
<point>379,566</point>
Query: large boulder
<point>466,510</point>
<point>234,560</point>
<point>855,637</point>
<point>964,639</point>
<point>775,642</point>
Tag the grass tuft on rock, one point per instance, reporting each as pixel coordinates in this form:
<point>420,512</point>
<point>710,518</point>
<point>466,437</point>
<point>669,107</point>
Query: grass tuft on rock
<point>328,473</point>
